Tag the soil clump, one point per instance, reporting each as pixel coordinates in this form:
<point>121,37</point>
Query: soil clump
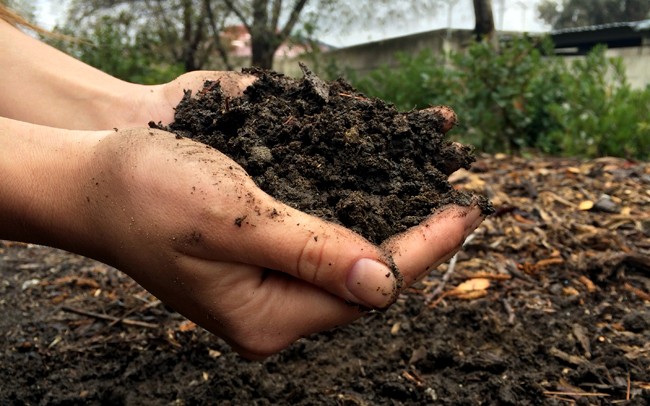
<point>328,150</point>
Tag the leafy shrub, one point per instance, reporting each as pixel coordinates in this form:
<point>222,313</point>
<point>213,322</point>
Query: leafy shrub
<point>602,115</point>
<point>521,97</point>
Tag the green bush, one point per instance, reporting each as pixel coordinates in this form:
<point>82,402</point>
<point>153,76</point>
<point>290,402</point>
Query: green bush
<point>602,115</point>
<point>521,97</point>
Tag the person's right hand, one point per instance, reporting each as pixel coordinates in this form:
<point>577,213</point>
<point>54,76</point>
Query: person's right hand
<point>190,225</point>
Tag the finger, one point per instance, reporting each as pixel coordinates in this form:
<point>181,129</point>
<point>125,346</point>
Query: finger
<point>424,247</point>
<point>258,314</point>
<point>321,253</point>
<point>443,118</point>
<point>232,83</point>
<point>287,309</point>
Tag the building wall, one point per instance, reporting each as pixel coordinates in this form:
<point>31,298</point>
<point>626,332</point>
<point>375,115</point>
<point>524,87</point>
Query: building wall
<point>637,64</point>
<point>366,57</point>
<point>372,55</point>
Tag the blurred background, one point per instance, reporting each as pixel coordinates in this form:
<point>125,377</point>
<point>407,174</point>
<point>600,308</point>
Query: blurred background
<point>556,77</point>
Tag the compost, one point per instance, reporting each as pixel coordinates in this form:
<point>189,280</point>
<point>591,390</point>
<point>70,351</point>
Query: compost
<point>328,150</point>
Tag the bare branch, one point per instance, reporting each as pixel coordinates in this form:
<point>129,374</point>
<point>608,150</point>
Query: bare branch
<point>221,49</point>
<point>231,5</point>
<point>275,16</point>
<point>293,19</point>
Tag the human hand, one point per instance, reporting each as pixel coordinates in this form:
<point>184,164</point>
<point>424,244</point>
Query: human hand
<point>188,224</point>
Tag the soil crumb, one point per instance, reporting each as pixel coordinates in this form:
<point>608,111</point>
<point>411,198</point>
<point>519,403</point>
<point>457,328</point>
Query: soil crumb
<point>328,150</point>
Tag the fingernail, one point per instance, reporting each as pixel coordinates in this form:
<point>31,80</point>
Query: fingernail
<point>372,283</point>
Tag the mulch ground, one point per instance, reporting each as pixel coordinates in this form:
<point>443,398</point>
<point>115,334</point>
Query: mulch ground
<point>548,303</point>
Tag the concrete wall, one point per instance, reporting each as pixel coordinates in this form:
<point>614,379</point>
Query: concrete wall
<point>637,64</point>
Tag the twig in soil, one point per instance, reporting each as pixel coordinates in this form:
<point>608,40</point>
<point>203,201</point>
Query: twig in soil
<point>629,387</point>
<point>290,119</point>
<point>413,377</point>
<point>641,294</point>
<point>138,309</point>
<point>511,268</point>
<point>578,394</point>
<point>558,199</point>
<point>128,322</point>
<point>447,275</point>
<point>353,96</point>
<point>490,275</point>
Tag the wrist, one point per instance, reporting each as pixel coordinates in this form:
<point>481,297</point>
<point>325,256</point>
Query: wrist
<point>41,190</point>
<point>47,87</point>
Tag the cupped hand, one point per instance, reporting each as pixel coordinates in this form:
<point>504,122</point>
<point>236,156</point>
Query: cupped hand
<point>190,225</point>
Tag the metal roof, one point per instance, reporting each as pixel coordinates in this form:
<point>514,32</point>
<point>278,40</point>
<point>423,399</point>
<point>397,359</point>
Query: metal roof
<point>634,25</point>
<point>613,35</point>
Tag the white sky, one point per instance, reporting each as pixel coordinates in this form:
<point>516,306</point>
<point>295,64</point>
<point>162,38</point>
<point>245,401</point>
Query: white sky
<point>520,15</point>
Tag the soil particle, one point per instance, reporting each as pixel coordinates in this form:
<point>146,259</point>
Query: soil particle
<point>328,150</point>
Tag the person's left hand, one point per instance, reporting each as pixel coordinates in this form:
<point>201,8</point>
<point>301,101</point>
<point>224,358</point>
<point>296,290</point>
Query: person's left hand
<point>156,103</point>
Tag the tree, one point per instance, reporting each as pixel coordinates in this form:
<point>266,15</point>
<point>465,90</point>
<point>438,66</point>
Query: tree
<point>115,45</point>
<point>484,27</point>
<point>262,20</point>
<point>22,7</point>
<point>190,32</point>
<point>187,30</point>
<point>578,13</point>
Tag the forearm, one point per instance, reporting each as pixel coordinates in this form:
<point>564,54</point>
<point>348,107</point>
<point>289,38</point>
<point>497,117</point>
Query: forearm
<point>44,171</point>
<point>42,85</point>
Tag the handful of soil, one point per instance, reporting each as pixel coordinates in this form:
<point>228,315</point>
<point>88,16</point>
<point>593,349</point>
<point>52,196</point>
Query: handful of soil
<point>328,150</point>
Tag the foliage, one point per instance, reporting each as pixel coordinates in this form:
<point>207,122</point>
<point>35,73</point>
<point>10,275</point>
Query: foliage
<point>578,13</point>
<point>116,46</point>
<point>522,97</point>
<point>603,115</point>
<point>22,7</point>
<point>186,31</point>
<point>190,32</point>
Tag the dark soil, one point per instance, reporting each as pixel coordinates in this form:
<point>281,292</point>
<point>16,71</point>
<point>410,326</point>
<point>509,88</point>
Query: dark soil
<point>330,151</point>
<point>566,319</point>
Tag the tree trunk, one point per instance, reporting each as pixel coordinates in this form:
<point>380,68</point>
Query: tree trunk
<point>484,29</point>
<point>266,36</point>
<point>262,53</point>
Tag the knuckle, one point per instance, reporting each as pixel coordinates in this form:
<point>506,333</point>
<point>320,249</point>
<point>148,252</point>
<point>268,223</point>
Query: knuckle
<point>312,258</point>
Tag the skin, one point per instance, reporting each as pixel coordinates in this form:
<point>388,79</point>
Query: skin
<point>181,218</point>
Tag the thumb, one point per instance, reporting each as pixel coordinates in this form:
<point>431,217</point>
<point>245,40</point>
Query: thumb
<point>321,253</point>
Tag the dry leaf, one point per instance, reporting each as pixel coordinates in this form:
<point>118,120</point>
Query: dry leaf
<point>475,294</point>
<point>186,326</point>
<point>473,285</point>
<point>586,205</point>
